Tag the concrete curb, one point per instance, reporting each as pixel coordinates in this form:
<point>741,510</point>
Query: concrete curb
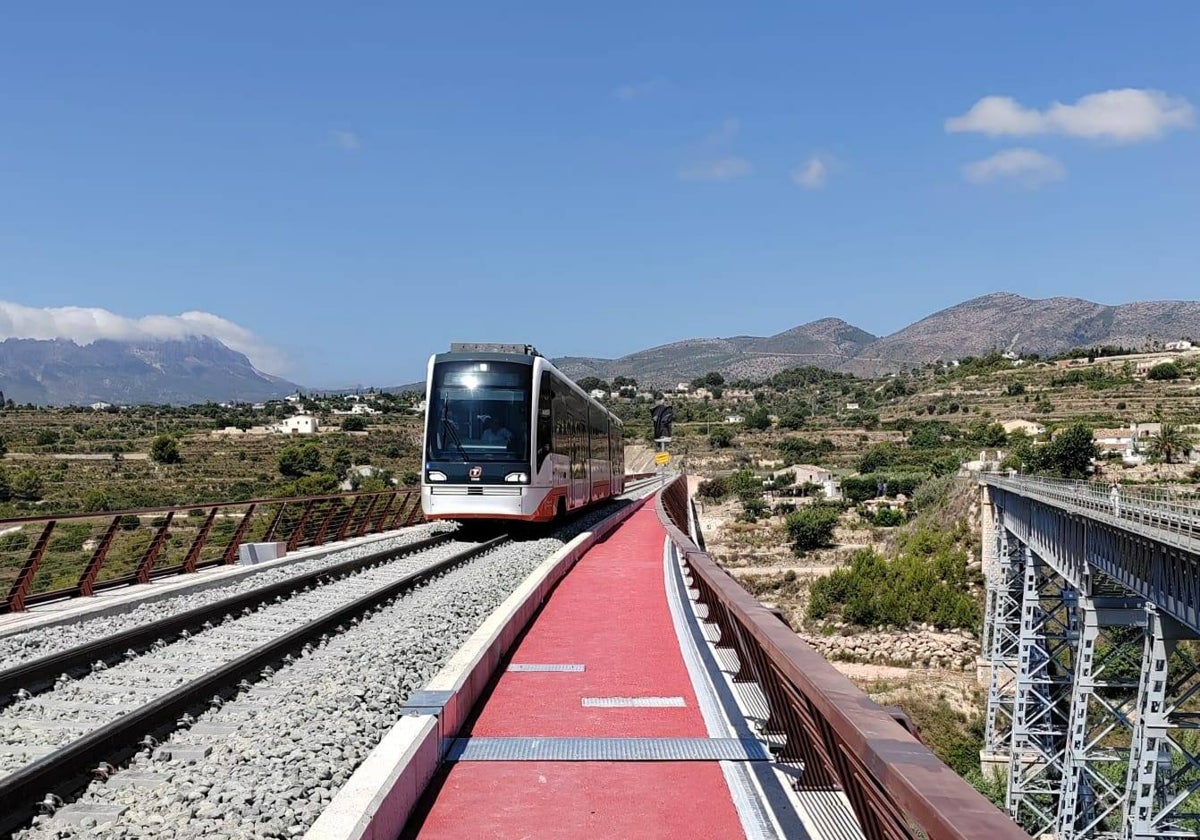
<point>376,801</point>
<point>114,601</point>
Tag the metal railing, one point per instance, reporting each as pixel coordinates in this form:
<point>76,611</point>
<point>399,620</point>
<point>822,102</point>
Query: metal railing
<point>53,557</point>
<point>1168,514</point>
<point>839,738</point>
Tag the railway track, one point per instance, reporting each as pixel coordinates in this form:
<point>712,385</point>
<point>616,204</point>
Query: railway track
<point>49,740</point>
<point>403,612</point>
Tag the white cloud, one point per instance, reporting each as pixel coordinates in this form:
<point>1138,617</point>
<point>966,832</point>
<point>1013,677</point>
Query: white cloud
<point>347,141</point>
<point>1027,167</point>
<point>85,325</point>
<point>813,174</point>
<point>720,169</point>
<point>641,90</point>
<point>713,159</point>
<point>1128,115</point>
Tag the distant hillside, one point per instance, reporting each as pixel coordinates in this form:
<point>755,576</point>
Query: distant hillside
<point>828,343</point>
<point>191,370</point>
<point>1005,321</point>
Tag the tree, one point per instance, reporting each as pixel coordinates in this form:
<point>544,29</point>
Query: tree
<point>342,461</point>
<point>5,486</point>
<point>297,461</point>
<point>593,383</point>
<point>3,447</point>
<point>878,456</point>
<point>27,485</point>
<point>624,382</point>
<point>1069,453</point>
<point>1165,371</point>
<point>354,423</point>
<point>758,419</point>
<point>96,499</point>
<point>46,437</point>
<point>165,450</point>
<point>720,438</point>
<point>812,527</point>
<point>1171,441</point>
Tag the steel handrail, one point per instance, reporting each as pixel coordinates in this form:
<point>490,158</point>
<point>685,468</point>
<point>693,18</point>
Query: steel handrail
<point>1160,512</point>
<point>898,788</point>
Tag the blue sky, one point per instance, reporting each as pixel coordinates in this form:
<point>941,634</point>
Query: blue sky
<point>359,185</point>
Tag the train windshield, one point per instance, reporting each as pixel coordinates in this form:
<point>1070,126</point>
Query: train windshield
<point>478,411</point>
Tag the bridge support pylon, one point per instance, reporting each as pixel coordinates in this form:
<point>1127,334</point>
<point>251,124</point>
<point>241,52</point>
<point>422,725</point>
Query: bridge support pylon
<point>1164,766</point>
<point>1103,696</point>
<point>1049,627</point>
<point>1003,566</point>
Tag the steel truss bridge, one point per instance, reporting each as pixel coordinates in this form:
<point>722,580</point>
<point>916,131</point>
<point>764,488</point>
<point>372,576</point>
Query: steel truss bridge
<point>1090,638</point>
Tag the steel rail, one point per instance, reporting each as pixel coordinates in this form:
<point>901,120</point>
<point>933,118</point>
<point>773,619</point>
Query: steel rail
<point>898,788</point>
<point>65,769</point>
<point>36,672</point>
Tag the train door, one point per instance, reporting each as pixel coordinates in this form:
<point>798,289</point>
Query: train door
<point>579,453</point>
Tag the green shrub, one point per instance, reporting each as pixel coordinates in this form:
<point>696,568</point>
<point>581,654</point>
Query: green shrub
<point>752,509</point>
<point>926,583</point>
<point>1165,371</point>
<point>165,450</point>
<point>354,424</point>
<point>720,438</point>
<point>812,527</point>
<point>713,488</point>
<point>96,499</point>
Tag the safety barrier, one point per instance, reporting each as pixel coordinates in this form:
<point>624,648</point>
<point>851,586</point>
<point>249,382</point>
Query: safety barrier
<point>96,551</point>
<point>837,737</point>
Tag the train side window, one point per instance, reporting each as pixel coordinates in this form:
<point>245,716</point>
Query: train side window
<point>545,419</point>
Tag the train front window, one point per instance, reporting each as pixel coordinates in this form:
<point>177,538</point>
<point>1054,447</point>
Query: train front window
<point>478,411</point>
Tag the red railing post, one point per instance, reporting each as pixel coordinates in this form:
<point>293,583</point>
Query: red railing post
<point>416,514</point>
<point>87,580</point>
<point>275,522</point>
<point>24,582</point>
<point>147,564</point>
<point>369,517</point>
<point>399,517</point>
<point>334,506</point>
<point>193,555</point>
<point>231,550</point>
<point>345,526</point>
<point>298,532</point>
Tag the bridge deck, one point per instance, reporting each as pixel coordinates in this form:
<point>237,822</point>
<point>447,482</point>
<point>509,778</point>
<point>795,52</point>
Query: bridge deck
<point>612,616</point>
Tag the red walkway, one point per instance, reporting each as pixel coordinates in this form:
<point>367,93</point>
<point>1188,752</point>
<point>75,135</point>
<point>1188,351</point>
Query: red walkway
<point>609,614</point>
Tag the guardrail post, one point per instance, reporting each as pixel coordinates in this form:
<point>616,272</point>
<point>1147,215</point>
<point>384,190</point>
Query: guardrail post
<point>335,505</point>
<point>147,564</point>
<point>24,582</point>
<point>372,521</point>
<point>193,555</point>
<point>298,531</point>
<point>398,519</point>
<point>363,521</point>
<point>276,521</point>
<point>235,542</point>
<point>416,514</point>
<point>87,580</point>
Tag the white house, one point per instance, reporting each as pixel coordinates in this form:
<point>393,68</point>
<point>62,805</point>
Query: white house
<point>1182,344</point>
<point>100,406</point>
<point>598,393</point>
<point>363,408</point>
<point>301,424</point>
<point>1027,426</point>
<point>852,406</point>
<point>1143,367</point>
<point>294,399</point>
<point>682,388</point>
<point>734,418</point>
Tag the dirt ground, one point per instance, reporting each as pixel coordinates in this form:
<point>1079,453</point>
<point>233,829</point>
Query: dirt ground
<point>752,551</point>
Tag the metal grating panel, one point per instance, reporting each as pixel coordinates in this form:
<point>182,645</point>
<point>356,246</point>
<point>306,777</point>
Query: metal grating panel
<point>575,669</point>
<point>633,702</point>
<point>607,749</point>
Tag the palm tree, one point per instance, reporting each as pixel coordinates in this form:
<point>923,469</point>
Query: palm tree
<point>1171,442</point>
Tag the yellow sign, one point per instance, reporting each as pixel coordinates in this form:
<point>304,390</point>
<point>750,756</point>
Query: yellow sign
<point>662,458</point>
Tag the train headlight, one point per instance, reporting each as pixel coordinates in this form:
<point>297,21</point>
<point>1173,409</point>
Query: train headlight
<point>517,478</point>
<point>434,475</point>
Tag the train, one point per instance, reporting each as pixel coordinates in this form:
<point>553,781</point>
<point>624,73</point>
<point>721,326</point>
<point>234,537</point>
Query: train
<point>509,437</point>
